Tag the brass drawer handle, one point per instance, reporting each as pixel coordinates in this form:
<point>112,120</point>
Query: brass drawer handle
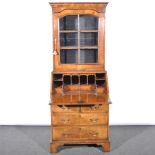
<point>95,134</point>
<point>64,107</point>
<point>65,135</point>
<point>94,120</point>
<point>95,107</point>
<point>65,120</point>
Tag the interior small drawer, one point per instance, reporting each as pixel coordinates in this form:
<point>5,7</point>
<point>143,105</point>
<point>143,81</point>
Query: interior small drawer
<point>97,99</point>
<point>94,132</point>
<point>65,119</point>
<point>65,108</point>
<point>61,99</point>
<point>66,133</point>
<point>93,119</point>
<point>95,108</point>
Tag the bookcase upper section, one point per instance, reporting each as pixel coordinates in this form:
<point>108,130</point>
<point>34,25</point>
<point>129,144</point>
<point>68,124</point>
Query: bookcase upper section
<point>78,36</point>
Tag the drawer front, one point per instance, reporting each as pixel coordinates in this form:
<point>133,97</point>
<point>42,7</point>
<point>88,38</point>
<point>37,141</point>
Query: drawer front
<point>57,99</point>
<point>65,108</point>
<point>101,90</point>
<point>97,99</point>
<point>94,132</point>
<point>61,99</point>
<point>95,108</point>
<point>80,133</point>
<point>65,119</point>
<point>66,133</point>
<point>93,119</point>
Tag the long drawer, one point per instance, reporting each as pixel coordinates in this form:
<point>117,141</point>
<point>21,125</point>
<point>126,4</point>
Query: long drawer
<point>59,119</point>
<point>80,133</point>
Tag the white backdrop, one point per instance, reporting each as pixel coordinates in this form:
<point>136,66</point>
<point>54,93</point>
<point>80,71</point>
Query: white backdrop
<point>26,61</point>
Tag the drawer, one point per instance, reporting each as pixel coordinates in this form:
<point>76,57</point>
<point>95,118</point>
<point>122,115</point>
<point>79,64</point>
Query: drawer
<point>95,108</point>
<point>61,99</point>
<point>97,98</point>
<point>66,133</point>
<point>57,99</point>
<point>100,90</point>
<point>65,119</point>
<point>58,90</point>
<point>65,108</point>
<point>93,119</point>
<point>80,133</point>
<point>94,132</point>
<point>75,98</point>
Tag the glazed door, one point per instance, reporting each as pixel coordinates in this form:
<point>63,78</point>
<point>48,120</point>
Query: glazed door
<point>79,40</point>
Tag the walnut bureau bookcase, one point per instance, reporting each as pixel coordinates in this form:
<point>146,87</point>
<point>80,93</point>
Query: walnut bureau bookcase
<point>79,84</point>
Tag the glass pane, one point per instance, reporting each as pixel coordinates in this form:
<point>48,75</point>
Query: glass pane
<point>88,22</point>
<point>89,38</point>
<point>88,56</point>
<point>68,39</point>
<point>68,56</point>
<point>69,22</point>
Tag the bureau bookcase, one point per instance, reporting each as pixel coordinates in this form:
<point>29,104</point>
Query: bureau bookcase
<point>79,83</point>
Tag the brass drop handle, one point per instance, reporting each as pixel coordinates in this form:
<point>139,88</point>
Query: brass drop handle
<point>55,52</point>
<point>65,135</point>
<point>64,107</point>
<point>65,120</point>
<point>94,120</point>
<point>95,134</point>
<point>95,107</point>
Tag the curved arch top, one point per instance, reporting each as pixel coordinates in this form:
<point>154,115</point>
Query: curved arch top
<point>75,12</point>
<point>59,7</point>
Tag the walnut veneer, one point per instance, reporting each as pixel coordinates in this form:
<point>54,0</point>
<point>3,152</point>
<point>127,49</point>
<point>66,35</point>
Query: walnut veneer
<point>79,83</point>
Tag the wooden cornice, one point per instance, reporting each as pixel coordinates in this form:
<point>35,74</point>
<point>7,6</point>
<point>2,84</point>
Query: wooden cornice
<point>59,7</point>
